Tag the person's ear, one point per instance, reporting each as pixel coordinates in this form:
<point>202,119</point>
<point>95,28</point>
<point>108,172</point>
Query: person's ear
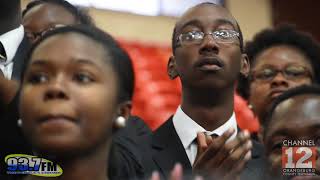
<point>245,65</point>
<point>171,68</point>
<point>124,112</point>
<point>125,109</point>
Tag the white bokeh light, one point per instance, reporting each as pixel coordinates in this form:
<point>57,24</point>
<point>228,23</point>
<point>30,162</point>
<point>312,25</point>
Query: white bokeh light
<point>143,7</point>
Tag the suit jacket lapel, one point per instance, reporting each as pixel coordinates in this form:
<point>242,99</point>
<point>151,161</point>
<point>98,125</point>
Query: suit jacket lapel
<point>20,58</point>
<point>257,148</point>
<point>168,149</point>
<point>255,168</point>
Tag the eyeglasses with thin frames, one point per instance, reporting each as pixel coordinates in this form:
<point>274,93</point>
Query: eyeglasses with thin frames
<point>37,35</point>
<point>220,36</point>
<point>291,72</point>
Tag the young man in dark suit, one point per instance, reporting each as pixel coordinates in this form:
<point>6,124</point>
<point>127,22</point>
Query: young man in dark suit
<point>203,135</point>
<point>13,48</point>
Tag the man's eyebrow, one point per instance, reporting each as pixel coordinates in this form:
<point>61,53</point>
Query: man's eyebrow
<point>226,21</point>
<point>286,131</point>
<point>280,132</point>
<point>191,22</point>
<point>314,126</point>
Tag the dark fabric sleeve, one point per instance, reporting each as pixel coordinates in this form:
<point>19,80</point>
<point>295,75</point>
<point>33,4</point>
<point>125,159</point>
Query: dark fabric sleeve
<point>127,150</point>
<point>12,140</point>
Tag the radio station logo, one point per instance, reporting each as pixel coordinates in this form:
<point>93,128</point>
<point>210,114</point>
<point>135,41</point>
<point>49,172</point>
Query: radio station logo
<point>28,164</point>
<point>299,158</point>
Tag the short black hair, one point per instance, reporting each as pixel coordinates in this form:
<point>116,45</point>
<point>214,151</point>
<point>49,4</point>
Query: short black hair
<point>174,34</point>
<point>120,60</point>
<point>281,35</point>
<point>80,15</point>
<point>301,90</point>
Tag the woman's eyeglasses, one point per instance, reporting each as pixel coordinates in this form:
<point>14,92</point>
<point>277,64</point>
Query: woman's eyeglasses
<point>291,72</point>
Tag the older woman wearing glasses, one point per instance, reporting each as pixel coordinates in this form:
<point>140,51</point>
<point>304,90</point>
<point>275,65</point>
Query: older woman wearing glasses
<point>280,59</point>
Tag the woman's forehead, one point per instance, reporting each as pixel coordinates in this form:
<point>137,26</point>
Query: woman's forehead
<point>71,46</point>
<point>71,40</point>
<point>281,55</point>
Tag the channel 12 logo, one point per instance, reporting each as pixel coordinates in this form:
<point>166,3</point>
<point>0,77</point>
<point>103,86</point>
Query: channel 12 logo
<point>28,164</point>
<point>298,158</point>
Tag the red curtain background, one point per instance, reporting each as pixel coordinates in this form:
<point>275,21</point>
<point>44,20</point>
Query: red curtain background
<point>156,97</point>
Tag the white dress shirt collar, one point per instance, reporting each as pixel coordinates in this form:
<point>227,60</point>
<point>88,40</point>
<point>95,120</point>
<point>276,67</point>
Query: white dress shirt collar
<point>11,41</point>
<point>187,129</point>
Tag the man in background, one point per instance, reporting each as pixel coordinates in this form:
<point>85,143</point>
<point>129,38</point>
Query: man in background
<point>13,47</point>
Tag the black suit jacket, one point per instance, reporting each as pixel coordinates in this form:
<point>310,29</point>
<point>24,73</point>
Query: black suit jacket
<point>125,153</point>
<point>167,150</point>
<point>11,138</point>
<point>19,59</point>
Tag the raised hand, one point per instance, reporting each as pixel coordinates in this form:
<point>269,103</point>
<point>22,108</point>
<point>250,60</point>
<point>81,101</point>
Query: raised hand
<point>219,159</point>
<point>176,174</point>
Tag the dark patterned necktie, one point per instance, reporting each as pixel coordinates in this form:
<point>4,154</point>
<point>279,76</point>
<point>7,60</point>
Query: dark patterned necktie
<point>3,56</point>
<point>214,135</point>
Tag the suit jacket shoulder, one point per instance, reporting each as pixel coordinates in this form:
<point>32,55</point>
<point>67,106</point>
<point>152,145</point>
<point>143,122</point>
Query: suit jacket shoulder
<point>19,60</point>
<point>127,149</point>
<point>167,150</point>
<point>255,168</point>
